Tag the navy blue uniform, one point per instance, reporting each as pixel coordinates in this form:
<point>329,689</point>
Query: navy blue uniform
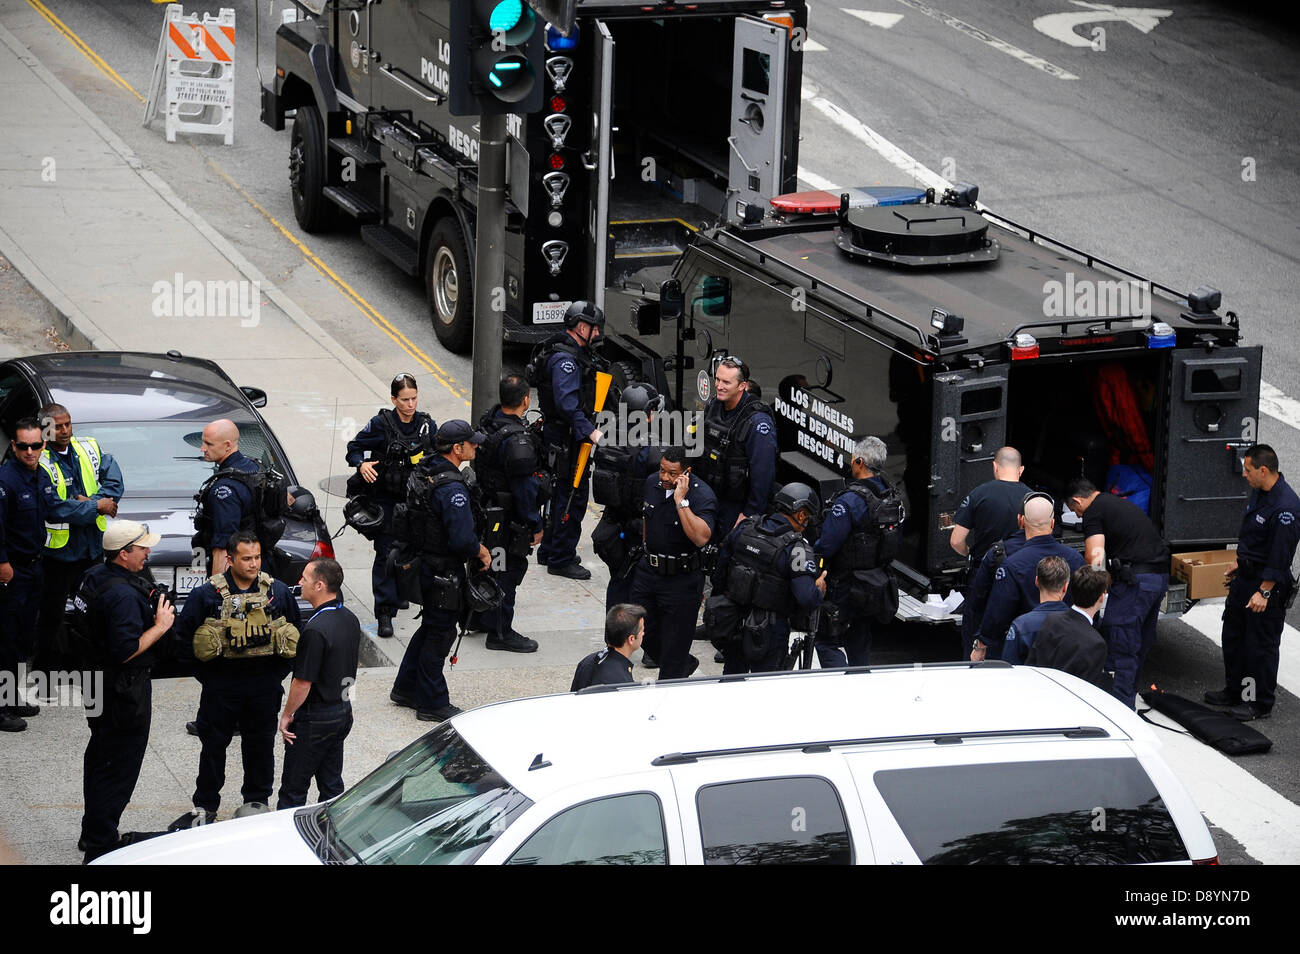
<point>759,443</point>
<point>119,732</point>
<point>237,693</point>
<point>1014,591</point>
<point>799,577</point>
<point>524,510</point>
<point>669,580</point>
<point>628,526</point>
<point>846,514</point>
<point>1266,546</point>
<point>608,667</point>
<point>22,541</point>
<point>420,674</point>
<point>977,591</point>
<point>990,513</point>
<point>568,427</point>
<point>1024,630</point>
<point>371,444</point>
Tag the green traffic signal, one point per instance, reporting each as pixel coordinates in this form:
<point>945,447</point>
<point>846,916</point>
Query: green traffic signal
<point>512,20</point>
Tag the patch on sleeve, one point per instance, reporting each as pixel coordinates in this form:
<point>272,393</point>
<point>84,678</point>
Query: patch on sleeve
<point>568,367</point>
<point>224,492</point>
<point>763,427</point>
<point>1001,574</point>
<point>459,500</point>
<point>1286,518</point>
<point>839,510</point>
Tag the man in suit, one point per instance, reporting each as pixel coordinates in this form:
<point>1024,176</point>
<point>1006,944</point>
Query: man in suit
<point>1069,641</point>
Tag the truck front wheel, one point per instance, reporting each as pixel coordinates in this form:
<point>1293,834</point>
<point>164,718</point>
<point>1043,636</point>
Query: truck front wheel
<point>307,171</point>
<point>451,287</point>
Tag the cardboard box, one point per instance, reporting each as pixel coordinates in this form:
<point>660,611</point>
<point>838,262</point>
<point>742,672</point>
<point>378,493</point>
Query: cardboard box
<point>1202,571</point>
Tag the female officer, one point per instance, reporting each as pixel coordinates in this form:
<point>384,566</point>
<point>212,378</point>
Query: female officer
<point>384,452</point>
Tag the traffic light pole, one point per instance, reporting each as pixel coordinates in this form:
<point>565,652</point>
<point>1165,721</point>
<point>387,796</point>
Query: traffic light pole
<point>489,263</point>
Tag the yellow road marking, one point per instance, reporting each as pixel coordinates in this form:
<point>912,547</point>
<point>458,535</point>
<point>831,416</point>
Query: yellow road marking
<point>85,51</point>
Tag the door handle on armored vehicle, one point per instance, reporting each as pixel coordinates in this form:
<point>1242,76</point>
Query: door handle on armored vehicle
<point>731,141</point>
<point>392,74</point>
<point>753,99</point>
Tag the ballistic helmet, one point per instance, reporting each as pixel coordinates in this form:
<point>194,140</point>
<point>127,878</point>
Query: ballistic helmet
<point>584,311</point>
<point>642,397</point>
<point>484,592</point>
<point>363,514</point>
<point>794,497</point>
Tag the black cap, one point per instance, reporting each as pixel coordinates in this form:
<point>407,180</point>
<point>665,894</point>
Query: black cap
<point>454,432</point>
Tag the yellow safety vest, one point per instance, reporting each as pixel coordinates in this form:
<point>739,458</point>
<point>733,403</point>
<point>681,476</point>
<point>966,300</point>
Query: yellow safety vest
<point>88,455</point>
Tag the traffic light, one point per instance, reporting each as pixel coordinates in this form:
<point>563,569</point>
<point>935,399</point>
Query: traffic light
<point>497,58</point>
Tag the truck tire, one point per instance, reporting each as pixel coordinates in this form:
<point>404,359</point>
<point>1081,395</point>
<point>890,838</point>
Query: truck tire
<point>450,283</point>
<point>314,212</point>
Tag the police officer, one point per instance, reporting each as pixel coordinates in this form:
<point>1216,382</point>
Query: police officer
<point>1118,536</point>
<point>22,538</point>
<point>859,534</point>
<point>739,460</point>
<point>384,453</point>
<point>768,568</point>
<point>124,626</point>
<point>440,520</point>
<point>1014,591</point>
<point>624,630</point>
<point>981,584</point>
<point>242,626</point>
<point>566,388</point>
<point>1260,587</point>
<point>81,485</point>
<point>669,579</point>
<point>508,467</point>
<point>1052,577</point>
<point>226,503</point>
<point>619,483</point>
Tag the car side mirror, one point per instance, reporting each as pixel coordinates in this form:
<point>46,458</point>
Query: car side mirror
<point>670,300</point>
<point>256,396</point>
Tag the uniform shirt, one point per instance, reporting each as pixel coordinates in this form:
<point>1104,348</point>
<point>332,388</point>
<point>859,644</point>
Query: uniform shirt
<point>451,505</point>
<point>228,501</point>
<point>564,373</point>
<point>978,597</point>
<point>22,511</point>
<point>1270,530</point>
<point>119,615</point>
<point>85,539</point>
<point>523,490</point>
<point>371,442</point>
<point>989,512</point>
<point>327,653</point>
<point>1025,630</point>
<point>1014,591</point>
<point>1130,535</point>
<point>205,603</point>
<point>760,452</point>
<point>802,580</point>
<point>663,524</point>
<point>605,668</point>
<point>848,511</point>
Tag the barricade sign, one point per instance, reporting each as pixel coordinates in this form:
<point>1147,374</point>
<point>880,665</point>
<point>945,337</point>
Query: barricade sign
<point>193,81</point>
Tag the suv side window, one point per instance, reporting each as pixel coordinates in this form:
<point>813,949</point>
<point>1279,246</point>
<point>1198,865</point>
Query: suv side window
<point>622,830</point>
<point>786,821</point>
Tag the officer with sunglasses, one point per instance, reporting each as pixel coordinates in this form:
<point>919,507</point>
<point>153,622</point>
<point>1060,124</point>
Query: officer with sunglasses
<point>740,449</point>
<point>22,539</point>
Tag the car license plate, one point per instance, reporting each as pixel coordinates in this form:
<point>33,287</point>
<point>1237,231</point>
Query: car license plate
<point>188,580</point>
<point>549,312</point>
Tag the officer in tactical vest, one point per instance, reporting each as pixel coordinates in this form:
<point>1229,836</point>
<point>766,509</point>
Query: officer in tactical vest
<point>566,388</point>
<point>227,502</point>
<point>385,452</point>
<point>242,627</point>
<point>619,482</point>
<point>510,479</point>
<point>739,460</point>
<point>438,520</point>
<point>859,538</point>
<point>81,485</point>
<point>768,569</point>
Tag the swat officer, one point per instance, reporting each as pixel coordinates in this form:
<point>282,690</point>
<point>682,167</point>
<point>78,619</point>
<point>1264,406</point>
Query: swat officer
<point>81,485</point>
<point>859,535</point>
<point>384,453</point>
<point>566,388</point>
<point>124,624</point>
<point>612,666</point>
<point>22,537</point>
<point>767,567</point>
<point>1119,537</point>
<point>619,482</point>
<point>1259,589</point>
<point>226,503</point>
<point>679,514</point>
<point>508,467</point>
<point>739,460</point>
<point>242,626</point>
<point>439,519</point>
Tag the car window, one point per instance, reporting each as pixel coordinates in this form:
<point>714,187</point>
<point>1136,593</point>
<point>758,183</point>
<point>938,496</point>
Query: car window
<point>17,400</point>
<point>785,821</point>
<point>1069,811</point>
<point>622,830</point>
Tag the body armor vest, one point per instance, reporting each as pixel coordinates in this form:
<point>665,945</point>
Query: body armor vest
<point>587,365</point>
<point>616,482</point>
<point>269,491</point>
<point>874,540</point>
<point>244,628</point>
<point>512,450</point>
<point>724,464</point>
<point>754,577</point>
<point>417,524</point>
<point>401,451</point>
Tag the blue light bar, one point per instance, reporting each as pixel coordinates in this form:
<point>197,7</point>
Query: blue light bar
<point>557,42</point>
<point>1161,336</point>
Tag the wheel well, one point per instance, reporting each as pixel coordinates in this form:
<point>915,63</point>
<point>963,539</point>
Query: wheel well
<point>441,208</point>
<point>297,92</point>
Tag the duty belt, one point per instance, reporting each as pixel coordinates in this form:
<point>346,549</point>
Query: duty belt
<point>672,564</point>
<point>1157,568</point>
<point>1249,569</point>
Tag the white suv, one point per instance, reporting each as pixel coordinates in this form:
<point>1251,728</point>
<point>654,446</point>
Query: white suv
<point>952,763</point>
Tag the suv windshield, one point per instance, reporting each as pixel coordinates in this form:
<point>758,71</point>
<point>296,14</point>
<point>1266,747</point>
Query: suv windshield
<point>434,803</point>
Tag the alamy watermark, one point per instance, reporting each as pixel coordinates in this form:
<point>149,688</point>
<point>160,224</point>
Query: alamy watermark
<point>1089,298</point>
<point>178,298</point>
<point>60,688</point>
<point>627,428</point>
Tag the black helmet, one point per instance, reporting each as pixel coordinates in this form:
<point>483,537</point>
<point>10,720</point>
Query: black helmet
<point>363,515</point>
<point>484,592</point>
<point>584,311</point>
<point>642,397</point>
<point>794,497</point>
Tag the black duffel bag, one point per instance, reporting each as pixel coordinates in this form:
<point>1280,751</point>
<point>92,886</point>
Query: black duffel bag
<point>722,618</point>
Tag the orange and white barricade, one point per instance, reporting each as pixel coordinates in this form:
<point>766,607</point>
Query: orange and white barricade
<point>194,74</point>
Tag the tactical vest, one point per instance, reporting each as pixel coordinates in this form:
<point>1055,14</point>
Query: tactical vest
<point>269,491</point>
<point>244,628</point>
<point>417,524</point>
<point>725,466</point>
<point>754,577</point>
<point>512,450</point>
<point>83,643</point>
<point>401,451</point>
<point>541,378</point>
<point>874,540</point>
<point>88,455</point>
<point>616,482</point>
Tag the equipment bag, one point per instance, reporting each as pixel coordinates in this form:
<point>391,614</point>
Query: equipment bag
<point>1213,728</point>
<point>760,633</point>
<point>722,619</point>
<point>872,593</point>
<point>404,568</point>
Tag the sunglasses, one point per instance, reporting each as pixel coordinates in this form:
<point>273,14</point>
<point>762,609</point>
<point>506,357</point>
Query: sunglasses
<point>403,376</point>
<point>22,445</point>
<point>736,363</point>
<point>141,536</point>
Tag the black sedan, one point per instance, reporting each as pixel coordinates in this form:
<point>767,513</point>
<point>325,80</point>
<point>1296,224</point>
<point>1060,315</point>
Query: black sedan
<point>149,411</point>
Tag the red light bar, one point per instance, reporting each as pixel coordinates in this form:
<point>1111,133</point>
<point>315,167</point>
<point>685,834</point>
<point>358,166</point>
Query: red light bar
<point>558,105</point>
<point>557,161</point>
<point>802,202</point>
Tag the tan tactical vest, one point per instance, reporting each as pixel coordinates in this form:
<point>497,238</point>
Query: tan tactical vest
<point>245,629</point>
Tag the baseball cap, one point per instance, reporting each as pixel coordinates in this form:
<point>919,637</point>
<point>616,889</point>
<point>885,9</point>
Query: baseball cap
<point>126,533</point>
<point>453,432</point>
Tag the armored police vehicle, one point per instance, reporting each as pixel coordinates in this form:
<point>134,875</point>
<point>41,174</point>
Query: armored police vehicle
<point>655,118</point>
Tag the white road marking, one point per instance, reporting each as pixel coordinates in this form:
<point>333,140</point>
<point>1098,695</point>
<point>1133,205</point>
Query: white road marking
<point>814,181</point>
<point>1206,618</point>
<point>1278,406</point>
<point>884,20</point>
<point>973,31</point>
<point>812,46</point>
<point>1060,26</point>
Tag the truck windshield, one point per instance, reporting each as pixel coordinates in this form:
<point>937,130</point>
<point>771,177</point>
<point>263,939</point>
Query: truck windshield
<point>434,803</point>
